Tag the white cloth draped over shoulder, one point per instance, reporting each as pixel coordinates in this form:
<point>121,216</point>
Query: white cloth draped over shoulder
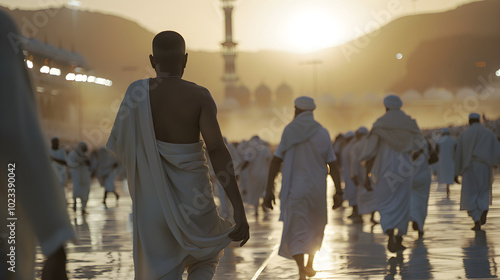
<point>392,138</point>
<point>175,216</point>
<point>477,151</point>
<point>303,191</point>
<point>40,205</point>
<point>446,163</point>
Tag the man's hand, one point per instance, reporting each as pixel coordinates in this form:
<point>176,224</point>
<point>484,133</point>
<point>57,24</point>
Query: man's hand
<point>241,231</point>
<point>456,180</point>
<point>269,200</point>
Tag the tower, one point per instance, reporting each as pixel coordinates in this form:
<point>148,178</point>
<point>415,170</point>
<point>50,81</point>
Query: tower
<point>229,53</point>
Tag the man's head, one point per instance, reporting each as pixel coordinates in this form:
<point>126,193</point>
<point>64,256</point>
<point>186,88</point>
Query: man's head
<point>361,132</point>
<point>169,53</point>
<point>55,143</point>
<point>392,102</point>
<point>348,136</point>
<point>304,103</point>
<point>474,118</point>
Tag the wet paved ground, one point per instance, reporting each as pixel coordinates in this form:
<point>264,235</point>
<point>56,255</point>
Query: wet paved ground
<point>449,249</point>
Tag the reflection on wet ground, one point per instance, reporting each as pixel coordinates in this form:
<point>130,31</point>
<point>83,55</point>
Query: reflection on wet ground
<point>449,249</point>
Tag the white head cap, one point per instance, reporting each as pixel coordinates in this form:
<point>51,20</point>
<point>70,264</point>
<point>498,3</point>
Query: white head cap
<point>305,103</point>
<point>474,116</point>
<point>362,130</point>
<point>393,102</point>
<point>349,134</point>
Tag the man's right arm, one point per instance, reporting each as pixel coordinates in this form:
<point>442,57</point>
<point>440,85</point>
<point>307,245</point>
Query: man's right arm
<point>223,165</point>
<point>274,168</point>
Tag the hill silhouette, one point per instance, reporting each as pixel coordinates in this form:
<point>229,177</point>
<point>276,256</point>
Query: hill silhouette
<point>438,49</point>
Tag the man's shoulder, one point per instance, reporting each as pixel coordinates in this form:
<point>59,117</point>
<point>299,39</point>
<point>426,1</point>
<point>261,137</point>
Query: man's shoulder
<point>323,132</point>
<point>194,86</point>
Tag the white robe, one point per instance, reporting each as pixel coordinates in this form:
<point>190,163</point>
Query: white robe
<point>477,151</point>
<point>445,165</point>
<point>59,169</point>
<point>174,213</point>
<point>366,199</point>
<point>259,156</point>
<point>106,170</point>
<point>40,207</point>
<point>350,189</point>
<point>80,175</point>
<point>303,192</point>
<point>420,189</point>
<point>391,140</point>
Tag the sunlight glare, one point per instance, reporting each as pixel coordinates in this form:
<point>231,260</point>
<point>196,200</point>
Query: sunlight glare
<point>312,30</point>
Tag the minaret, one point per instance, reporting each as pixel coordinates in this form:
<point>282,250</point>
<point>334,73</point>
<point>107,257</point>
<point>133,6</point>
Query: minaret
<point>229,53</point>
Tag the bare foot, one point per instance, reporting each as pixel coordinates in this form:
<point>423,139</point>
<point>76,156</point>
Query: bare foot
<point>477,226</point>
<point>309,271</point>
<point>483,217</point>
<point>391,244</point>
<point>302,274</point>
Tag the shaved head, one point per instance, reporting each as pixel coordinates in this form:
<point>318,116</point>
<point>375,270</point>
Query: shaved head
<point>169,51</point>
<point>168,44</point>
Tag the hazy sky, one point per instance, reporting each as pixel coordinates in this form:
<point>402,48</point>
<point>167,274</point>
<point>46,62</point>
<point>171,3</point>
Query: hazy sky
<point>290,25</point>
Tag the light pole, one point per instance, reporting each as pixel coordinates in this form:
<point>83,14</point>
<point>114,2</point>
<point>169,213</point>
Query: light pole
<point>314,63</point>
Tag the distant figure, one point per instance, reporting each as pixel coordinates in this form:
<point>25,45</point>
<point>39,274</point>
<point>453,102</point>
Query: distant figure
<point>350,189</point>
<point>243,170</point>
<point>421,186</point>
<point>306,152</point>
<point>79,163</point>
<point>225,209</point>
<point>59,161</point>
<point>477,151</point>
<point>365,195</point>
<point>393,137</point>
<point>39,216</point>
<point>256,160</point>
<point>106,172</point>
<point>446,146</point>
<point>156,136</point>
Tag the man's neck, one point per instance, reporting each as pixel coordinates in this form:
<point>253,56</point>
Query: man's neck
<point>168,74</point>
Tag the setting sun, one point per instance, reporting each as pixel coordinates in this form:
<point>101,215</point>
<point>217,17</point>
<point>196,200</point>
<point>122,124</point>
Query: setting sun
<point>313,29</point>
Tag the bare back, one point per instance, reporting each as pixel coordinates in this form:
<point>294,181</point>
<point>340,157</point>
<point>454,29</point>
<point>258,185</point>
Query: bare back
<point>176,108</point>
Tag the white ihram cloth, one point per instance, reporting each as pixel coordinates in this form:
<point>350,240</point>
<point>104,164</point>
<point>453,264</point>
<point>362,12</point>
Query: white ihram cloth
<point>106,169</point>
<point>259,156</point>
<point>80,174</point>
<point>420,189</point>
<point>366,199</point>
<point>392,138</point>
<point>59,169</point>
<point>446,163</point>
<point>350,189</point>
<point>174,213</point>
<point>306,149</point>
<point>477,151</point>
<point>40,207</point>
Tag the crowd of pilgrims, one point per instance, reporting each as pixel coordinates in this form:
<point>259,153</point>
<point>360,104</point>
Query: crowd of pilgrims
<point>251,160</point>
